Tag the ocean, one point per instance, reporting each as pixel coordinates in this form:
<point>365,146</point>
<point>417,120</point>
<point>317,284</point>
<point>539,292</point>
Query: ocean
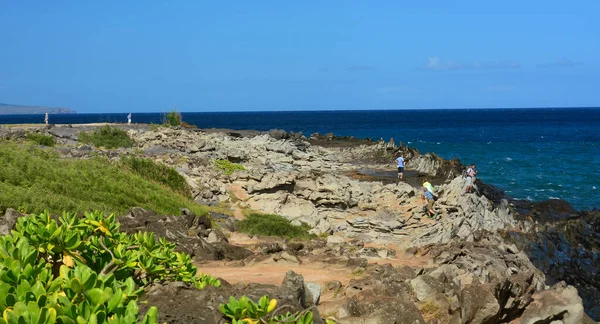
<point>533,154</point>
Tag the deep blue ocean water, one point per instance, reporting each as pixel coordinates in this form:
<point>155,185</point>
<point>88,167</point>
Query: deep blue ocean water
<point>532,154</point>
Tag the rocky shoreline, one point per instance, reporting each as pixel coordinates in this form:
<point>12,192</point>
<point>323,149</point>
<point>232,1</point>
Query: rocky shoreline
<point>488,259</point>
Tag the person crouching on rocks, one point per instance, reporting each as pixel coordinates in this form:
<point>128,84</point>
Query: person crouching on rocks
<point>428,185</point>
<point>428,197</point>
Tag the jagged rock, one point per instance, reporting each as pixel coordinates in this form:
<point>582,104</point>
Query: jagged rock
<point>315,292</point>
<point>8,221</point>
<point>559,305</point>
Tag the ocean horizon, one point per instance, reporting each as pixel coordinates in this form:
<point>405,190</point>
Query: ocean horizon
<point>531,153</point>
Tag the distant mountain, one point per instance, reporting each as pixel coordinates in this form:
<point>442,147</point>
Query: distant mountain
<point>16,109</point>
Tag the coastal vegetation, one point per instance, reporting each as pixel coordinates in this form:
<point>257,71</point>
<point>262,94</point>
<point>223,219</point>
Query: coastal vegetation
<point>33,179</point>
<point>41,139</point>
<point>173,118</point>
<point>272,225</point>
<point>84,270</point>
<point>245,310</point>
<point>107,137</point>
<point>157,172</point>
<point>228,167</point>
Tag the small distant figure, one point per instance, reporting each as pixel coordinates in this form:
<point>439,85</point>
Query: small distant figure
<point>471,173</point>
<point>400,161</point>
<point>129,119</point>
<point>46,118</point>
<point>429,198</point>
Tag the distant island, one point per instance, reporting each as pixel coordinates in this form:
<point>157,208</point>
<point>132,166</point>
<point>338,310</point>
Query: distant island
<point>6,109</point>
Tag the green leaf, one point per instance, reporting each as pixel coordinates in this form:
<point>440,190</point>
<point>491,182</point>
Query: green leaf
<point>76,285</point>
<point>151,316</point>
<point>96,296</point>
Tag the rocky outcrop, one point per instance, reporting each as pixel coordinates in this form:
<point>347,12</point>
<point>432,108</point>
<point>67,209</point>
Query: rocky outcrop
<point>317,181</point>
<point>181,304</point>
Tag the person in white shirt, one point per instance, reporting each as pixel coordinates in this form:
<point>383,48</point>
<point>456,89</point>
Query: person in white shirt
<point>471,172</point>
<point>129,119</point>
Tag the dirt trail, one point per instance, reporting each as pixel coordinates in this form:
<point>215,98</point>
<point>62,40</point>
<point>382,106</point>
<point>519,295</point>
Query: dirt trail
<point>313,270</point>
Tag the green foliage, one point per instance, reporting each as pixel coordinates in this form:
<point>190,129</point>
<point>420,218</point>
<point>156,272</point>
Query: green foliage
<point>157,172</point>
<point>245,311</point>
<point>33,179</point>
<point>173,118</point>
<point>83,270</point>
<point>272,225</point>
<point>41,139</point>
<point>108,137</point>
<point>228,167</point>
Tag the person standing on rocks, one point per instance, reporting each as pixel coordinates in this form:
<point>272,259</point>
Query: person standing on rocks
<point>129,119</point>
<point>429,198</point>
<point>46,118</point>
<point>471,173</point>
<point>400,162</point>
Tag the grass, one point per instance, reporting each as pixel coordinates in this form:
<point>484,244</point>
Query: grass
<point>157,172</point>
<point>228,167</point>
<point>41,139</point>
<point>34,179</point>
<point>272,225</point>
<point>108,137</point>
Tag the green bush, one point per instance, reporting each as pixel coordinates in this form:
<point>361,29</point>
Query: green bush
<point>41,139</point>
<point>272,225</point>
<point>108,137</point>
<point>173,118</point>
<point>35,179</point>
<point>228,167</point>
<point>157,172</point>
<point>245,311</point>
<point>83,270</point>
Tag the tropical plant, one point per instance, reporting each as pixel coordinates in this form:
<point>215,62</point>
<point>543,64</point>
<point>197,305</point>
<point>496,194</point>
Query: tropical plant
<point>84,270</point>
<point>245,311</point>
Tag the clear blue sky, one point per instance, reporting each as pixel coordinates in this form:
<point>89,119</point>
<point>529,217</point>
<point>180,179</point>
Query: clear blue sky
<point>122,56</point>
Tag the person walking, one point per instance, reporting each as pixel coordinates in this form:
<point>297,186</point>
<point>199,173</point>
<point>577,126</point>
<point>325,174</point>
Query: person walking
<point>400,162</point>
<point>129,119</point>
<point>429,199</point>
<point>471,173</point>
<point>46,118</point>
<point>428,185</point>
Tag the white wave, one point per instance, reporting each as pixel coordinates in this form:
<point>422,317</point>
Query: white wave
<point>508,159</point>
<point>553,197</point>
<point>593,187</point>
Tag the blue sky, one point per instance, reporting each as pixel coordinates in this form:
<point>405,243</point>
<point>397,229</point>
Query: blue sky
<point>122,56</point>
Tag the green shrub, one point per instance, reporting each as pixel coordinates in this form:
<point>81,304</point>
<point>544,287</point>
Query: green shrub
<point>173,118</point>
<point>228,167</point>
<point>245,311</point>
<point>83,270</point>
<point>36,179</point>
<point>272,225</point>
<point>108,137</point>
<point>41,139</point>
<point>157,172</point>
